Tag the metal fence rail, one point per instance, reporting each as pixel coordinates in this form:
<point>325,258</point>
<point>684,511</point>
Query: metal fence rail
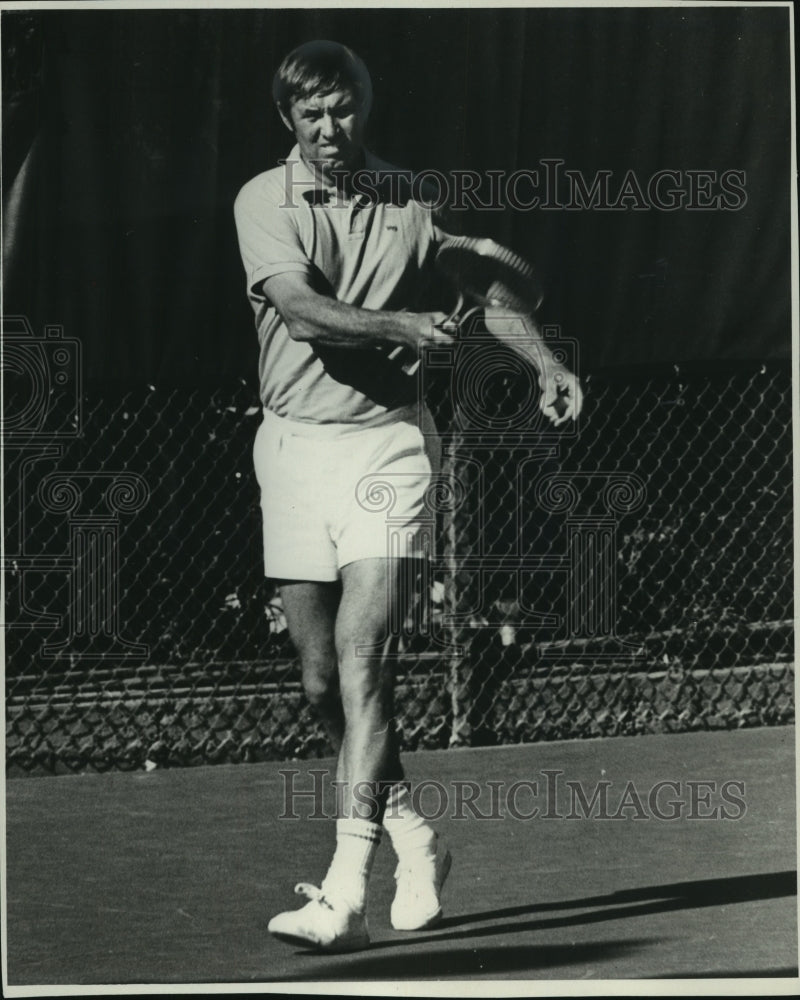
<point>632,576</point>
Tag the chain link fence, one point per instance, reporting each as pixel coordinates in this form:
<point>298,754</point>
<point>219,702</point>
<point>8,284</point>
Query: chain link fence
<point>630,575</point>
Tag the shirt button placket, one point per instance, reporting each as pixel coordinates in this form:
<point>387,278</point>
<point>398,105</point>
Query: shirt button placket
<point>355,217</point>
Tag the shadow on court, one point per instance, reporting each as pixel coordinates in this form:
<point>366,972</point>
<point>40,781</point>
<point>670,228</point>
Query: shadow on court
<point>497,962</point>
<point>501,963</point>
<point>172,876</point>
<point>655,899</point>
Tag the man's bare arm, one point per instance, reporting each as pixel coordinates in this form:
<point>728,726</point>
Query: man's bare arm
<point>312,317</point>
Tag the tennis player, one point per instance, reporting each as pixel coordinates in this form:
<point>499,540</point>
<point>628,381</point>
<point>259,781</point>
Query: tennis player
<point>338,257</point>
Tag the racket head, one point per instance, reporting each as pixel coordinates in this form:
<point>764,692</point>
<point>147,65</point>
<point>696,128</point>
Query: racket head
<point>490,274</point>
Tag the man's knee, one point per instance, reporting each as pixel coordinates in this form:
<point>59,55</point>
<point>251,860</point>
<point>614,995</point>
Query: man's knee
<point>365,685</point>
<point>320,681</point>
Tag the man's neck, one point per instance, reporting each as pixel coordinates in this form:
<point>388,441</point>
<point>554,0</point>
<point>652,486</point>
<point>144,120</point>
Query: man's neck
<point>341,179</point>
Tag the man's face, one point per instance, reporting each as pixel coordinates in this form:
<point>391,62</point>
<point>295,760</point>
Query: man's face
<point>329,129</point>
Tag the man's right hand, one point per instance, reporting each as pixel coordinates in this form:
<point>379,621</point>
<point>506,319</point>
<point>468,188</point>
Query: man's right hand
<point>433,328</point>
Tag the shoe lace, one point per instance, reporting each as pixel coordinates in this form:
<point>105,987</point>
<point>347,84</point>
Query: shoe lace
<point>313,893</point>
<point>406,887</point>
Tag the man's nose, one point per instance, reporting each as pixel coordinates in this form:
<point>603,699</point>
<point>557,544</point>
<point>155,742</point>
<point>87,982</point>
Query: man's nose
<point>330,126</point>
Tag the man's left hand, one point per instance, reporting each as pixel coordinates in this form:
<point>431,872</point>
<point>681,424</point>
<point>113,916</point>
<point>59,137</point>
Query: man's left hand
<point>562,396</point>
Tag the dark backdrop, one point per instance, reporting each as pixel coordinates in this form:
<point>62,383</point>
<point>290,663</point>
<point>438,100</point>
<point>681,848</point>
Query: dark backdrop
<point>127,135</point>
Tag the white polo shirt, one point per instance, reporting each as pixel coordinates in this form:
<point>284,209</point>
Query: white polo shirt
<point>373,250</point>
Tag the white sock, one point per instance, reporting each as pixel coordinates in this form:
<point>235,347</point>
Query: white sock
<point>411,835</point>
<point>356,843</point>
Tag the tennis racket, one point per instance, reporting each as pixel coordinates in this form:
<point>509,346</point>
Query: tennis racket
<point>486,274</point>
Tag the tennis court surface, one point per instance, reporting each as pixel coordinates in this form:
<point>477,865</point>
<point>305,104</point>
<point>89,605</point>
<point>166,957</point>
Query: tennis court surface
<point>171,876</point>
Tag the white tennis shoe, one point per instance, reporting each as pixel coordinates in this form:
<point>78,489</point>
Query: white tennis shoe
<point>417,904</point>
<point>325,923</point>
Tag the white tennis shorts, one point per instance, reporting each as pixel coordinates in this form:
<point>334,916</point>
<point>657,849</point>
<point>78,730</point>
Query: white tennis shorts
<point>332,494</point>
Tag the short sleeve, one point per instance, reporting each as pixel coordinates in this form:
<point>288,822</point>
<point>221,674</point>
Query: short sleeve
<point>268,232</point>
<point>446,223</point>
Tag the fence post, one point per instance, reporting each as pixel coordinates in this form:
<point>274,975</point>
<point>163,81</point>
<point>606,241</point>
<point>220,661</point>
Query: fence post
<point>462,581</point>
<point>459,706</point>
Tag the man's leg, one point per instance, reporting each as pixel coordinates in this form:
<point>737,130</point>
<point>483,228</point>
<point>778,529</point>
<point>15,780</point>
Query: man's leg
<point>376,593</point>
<point>327,921</point>
<point>311,608</point>
<point>335,919</point>
<point>372,595</point>
<point>369,760</point>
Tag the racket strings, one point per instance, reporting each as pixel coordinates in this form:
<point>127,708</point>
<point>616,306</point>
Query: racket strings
<point>490,274</point>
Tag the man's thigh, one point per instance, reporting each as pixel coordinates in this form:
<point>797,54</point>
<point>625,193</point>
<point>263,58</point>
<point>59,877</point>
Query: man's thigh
<point>377,597</point>
<point>311,608</point>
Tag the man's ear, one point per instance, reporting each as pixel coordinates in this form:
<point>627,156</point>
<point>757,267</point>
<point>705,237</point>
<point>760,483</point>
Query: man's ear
<point>287,121</point>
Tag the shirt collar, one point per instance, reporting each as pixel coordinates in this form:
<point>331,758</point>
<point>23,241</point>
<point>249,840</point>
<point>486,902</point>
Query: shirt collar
<point>303,177</point>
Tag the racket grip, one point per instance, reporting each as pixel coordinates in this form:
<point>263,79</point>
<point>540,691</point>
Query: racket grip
<point>456,317</point>
<point>453,317</point>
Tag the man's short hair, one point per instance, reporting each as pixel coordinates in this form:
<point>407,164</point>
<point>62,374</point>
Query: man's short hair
<point>318,68</point>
